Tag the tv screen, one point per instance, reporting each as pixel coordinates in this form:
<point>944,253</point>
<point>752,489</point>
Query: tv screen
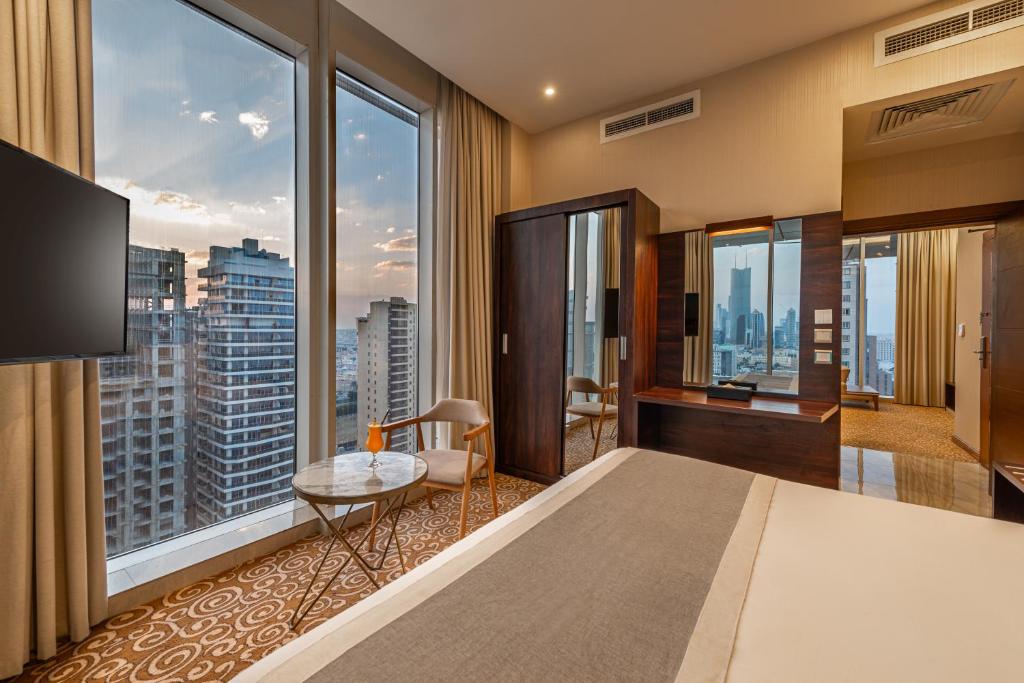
<point>63,263</point>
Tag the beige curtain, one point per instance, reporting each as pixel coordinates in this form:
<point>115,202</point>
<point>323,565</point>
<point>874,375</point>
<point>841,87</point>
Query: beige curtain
<point>925,312</point>
<point>53,575</point>
<point>611,222</point>
<point>697,277</point>
<point>468,198</point>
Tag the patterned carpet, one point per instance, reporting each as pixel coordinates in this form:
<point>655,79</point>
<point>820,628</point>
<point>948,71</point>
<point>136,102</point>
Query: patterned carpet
<point>902,429</point>
<point>213,629</point>
<point>579,446</point>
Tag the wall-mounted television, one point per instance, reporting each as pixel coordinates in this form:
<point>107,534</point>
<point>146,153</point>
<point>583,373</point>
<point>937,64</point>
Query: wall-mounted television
<point>63,263</point>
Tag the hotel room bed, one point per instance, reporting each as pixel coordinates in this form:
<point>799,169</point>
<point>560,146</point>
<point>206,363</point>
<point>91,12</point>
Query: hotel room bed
<point>649,566</point>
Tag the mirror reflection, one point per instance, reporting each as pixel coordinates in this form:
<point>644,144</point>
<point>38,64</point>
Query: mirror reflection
<point>592,337</point>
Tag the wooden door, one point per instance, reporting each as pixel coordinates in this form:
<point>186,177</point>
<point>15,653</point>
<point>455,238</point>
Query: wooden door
<point>530,345</point>
<point>1006,440</point>
<point>985,343</point>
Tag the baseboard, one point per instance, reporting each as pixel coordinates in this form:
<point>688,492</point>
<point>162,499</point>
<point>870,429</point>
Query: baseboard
<point>964,446</point>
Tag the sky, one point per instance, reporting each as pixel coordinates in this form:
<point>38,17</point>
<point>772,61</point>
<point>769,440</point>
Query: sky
<point>195,124</point>
<point>376,195</point>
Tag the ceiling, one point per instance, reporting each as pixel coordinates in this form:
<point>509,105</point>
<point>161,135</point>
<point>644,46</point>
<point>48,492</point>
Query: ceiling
<point>1006,118</point>
<point>601,54</point>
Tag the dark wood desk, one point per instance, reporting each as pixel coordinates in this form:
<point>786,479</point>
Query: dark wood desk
<point>765,406</point>
<point>780,437</point>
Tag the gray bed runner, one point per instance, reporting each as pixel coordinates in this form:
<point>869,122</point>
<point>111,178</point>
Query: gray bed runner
<point>609,587</point>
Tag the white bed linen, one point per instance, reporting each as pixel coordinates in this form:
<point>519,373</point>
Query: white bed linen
<point>850,588</point>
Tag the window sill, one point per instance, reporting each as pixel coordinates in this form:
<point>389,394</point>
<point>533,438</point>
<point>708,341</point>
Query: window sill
<point>148,573</point>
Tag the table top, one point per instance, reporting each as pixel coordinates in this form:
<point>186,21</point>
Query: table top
<point>763,406</point>
<point>853,389</point>
<point>348,478</point>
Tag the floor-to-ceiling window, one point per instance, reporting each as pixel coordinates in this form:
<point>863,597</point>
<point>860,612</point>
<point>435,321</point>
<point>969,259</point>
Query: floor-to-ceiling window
<point>869,311</point>
<point>756,318</point>
<point>195,124</point>
<point>376,338</point>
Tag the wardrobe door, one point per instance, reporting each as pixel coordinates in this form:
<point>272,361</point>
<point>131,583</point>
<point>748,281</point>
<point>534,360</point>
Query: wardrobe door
<point>530,345</point>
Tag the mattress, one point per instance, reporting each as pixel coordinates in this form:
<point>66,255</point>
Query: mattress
<point>649,566</point>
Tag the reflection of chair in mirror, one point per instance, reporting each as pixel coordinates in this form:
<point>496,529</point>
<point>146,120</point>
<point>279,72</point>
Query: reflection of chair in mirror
<point>453,470</point>
<point>591,410</point>
<point>856,392</point>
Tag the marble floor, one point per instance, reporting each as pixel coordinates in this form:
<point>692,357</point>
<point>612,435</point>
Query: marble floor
<point>918,479</point>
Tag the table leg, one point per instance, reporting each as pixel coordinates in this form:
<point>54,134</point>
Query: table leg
<point>392,510</point>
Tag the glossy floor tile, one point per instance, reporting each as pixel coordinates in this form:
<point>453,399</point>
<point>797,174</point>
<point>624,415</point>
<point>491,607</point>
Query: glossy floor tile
<point>917,479</point>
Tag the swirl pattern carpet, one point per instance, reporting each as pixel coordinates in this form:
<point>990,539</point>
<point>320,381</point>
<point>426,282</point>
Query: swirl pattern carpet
<point>212,629</point>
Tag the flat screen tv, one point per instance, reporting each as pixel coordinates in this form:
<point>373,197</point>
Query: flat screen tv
<point>63,263</point>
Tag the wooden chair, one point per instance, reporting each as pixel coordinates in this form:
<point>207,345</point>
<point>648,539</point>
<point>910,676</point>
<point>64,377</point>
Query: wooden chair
<point>591,410</point>
<point>453,470</point>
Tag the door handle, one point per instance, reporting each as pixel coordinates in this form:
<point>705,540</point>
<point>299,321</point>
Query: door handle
<point>623,355</point>
<point>504,344</point>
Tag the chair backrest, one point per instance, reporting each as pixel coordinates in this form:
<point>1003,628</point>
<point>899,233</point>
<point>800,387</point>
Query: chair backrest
<point>844,376</point>
<point>457,410</point>
<point>582,385</point>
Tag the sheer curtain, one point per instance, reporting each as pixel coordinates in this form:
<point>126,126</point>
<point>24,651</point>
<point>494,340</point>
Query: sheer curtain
<point>53,575</point>
<point>925,312</point>
<point>697,277</point>
<point>468,198</point>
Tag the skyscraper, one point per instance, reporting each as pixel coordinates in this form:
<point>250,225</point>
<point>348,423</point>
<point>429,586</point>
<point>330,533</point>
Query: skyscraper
<point>245,382</point>
<point>758,334</point>
<point>142,407</point>
<point>791,330</point>
<point>387,367</point>
<point>739,304</point>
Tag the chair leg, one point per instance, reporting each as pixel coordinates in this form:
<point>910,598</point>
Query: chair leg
<point>494,495</point>
<point>465,508</point>
<point>597,440</point>
<point>591,423</point>
<point>430,498</point>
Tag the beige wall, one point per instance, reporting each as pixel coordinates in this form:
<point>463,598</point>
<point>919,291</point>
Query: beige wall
<point>967,373</point>
<point>769,139</point>
<point>978,172</point>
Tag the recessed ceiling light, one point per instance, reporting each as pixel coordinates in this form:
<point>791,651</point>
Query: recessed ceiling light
<point>549,91</point>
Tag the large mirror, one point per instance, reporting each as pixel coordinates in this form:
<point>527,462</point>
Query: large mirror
<point>755,330</point>
<point>592,337</point>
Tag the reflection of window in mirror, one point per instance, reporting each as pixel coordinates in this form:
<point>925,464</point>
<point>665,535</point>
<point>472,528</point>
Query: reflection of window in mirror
<point>592,299</point>
<point>756,319</point>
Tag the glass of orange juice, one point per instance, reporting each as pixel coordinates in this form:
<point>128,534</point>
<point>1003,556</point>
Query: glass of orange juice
<point>374,441</point>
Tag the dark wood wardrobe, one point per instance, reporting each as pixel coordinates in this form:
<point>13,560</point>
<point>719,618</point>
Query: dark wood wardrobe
<point>530,272</point>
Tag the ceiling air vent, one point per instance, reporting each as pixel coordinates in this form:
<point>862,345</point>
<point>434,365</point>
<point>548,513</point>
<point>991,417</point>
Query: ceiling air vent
<point>949,27</point>
<point>949,110</point>
<point>657,115</point>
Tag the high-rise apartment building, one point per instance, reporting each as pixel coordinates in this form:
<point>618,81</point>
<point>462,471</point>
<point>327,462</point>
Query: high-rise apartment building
<point>850,314</point>
<point>758,338</point>
<point>387,367</point>
<point>739,305</point>
<point>143,407</point>
<point>244,444</point>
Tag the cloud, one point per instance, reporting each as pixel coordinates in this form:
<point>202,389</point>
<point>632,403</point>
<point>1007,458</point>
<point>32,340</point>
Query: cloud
<point>163,205</point>
<point>208,117</point>
<point>395,266</point>
<point>258,124</point>
<point>247,209</point>
<point>279,200</point>
<point>391,230</point>
<point>398,244</point>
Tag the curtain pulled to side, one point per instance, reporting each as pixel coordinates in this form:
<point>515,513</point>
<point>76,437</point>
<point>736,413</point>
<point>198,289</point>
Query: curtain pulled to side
<point>925,312</point>
<point>697,277</point>
<point>611,223</point>
<point>53,574</point>
<point>468,198</point>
